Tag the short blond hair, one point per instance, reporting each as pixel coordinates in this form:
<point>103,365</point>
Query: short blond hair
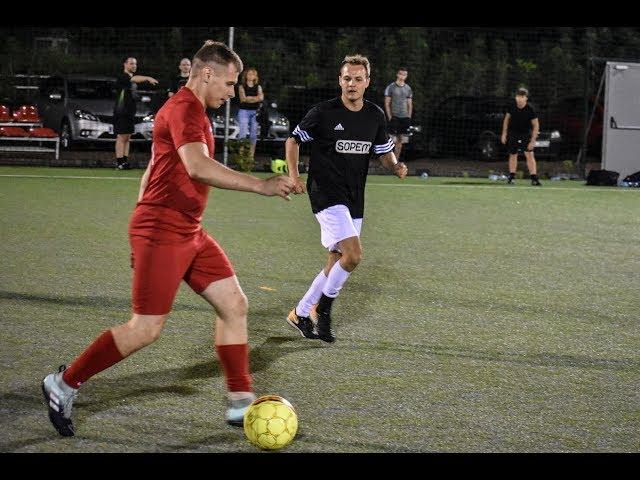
<point>357,59</point>
<point>218,53</point>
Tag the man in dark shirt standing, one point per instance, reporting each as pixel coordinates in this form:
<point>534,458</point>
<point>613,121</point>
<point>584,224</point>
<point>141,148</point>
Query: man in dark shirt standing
<point>180,80</point>
<point>346,132</point>
<point>520,129</point>
<point>124,110</point>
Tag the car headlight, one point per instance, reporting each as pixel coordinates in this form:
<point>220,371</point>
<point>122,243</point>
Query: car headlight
<point>149,118</point>
<point>219,119</point>
<point>84,115</point>
<point>555,134</point>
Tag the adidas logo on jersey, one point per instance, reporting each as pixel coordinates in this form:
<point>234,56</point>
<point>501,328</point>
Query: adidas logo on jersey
<point>339,127</point>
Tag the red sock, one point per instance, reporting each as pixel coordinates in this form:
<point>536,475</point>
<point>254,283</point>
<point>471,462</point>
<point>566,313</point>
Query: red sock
<point>235,363</point>
<point>99,356</point>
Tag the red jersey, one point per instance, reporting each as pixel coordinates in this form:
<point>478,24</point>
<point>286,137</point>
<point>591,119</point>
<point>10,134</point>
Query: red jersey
<point>173,201</point>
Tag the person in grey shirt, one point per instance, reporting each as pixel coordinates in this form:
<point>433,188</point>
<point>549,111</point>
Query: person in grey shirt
<point>398,105</point>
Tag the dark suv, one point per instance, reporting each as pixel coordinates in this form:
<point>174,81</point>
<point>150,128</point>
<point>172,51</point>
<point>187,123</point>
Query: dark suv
<point>80,108</point>
<point>473,126</point>
<point>568,116</point>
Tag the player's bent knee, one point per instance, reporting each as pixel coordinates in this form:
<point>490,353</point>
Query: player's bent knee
<point>242,306</point>
<point>352,259</point>
<point>234,306</point>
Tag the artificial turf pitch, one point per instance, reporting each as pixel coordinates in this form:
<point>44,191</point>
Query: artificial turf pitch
<point>483,318</point>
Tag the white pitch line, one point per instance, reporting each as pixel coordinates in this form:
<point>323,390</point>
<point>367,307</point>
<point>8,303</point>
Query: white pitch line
<point>76,177</point>
<point>507,187</point>
<point>70,176</point>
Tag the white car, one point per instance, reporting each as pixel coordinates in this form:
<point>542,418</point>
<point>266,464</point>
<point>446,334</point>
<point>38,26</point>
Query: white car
<point>80,109</point>
<point>269,118</point>
<point>217,122</point>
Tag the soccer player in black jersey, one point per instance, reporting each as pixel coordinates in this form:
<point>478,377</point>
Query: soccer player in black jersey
<point>346,132</point>
<point>520,129</point>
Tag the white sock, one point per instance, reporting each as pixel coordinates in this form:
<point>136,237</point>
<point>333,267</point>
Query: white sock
<point>336,279</point>
<point>312,296</point>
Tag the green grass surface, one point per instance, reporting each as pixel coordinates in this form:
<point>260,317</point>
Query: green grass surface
<point>483,318</point>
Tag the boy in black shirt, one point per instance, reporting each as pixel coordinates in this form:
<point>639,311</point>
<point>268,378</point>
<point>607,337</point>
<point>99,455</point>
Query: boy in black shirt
<point>519,132</point>
<point>346,132</point>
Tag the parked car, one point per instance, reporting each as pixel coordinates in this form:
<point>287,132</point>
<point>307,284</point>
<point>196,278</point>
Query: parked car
<point>275,125</point>
<point>270,120</point>
<point>80,109</point>
<point>473,126</point>
<point>567,116</point>
<point>217,122</point>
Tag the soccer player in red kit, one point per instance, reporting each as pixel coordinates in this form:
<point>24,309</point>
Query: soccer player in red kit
<point>168,243</point>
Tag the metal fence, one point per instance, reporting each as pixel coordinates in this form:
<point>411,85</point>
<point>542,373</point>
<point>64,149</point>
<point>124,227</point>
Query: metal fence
<point>461,78</point>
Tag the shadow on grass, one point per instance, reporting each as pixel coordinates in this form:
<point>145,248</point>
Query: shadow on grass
<point>538,360</point>
<point>102,301</point>
<point>370,291</point>
<point>106,393</point>
<point>227,435</point>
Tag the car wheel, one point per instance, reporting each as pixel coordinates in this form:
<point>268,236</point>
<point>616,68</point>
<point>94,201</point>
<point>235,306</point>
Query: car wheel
<point>66,140</point>
<point>488,147</point>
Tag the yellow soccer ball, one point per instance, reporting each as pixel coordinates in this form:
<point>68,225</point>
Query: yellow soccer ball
<point>270,422</point>
<point>279,166</point>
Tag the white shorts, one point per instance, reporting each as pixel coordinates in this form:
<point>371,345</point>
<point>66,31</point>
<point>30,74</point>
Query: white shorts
<point>336,224</point>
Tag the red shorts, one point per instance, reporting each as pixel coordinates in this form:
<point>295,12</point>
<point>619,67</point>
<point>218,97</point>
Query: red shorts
<point>160,264</point>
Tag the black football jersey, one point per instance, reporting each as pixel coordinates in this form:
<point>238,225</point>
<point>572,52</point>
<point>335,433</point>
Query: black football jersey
<point>520,122</point>
<point>343,142</point>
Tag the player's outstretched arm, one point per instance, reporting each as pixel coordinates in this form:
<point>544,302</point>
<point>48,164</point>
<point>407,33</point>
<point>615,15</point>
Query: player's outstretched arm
<point>144,78</point>
<point>390,163</point>
<point>204,169</point>
<point>292,154</point>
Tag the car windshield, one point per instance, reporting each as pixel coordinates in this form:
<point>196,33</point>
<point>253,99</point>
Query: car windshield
<point>93,89</point>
